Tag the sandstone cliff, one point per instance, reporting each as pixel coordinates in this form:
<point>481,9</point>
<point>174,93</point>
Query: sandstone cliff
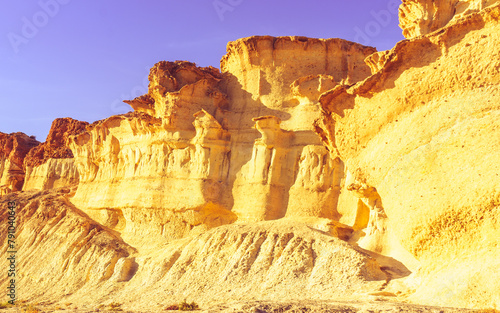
<point>421,138</point>
<point>204,148</point>
<point>13,149</point>
<point>304,169</point>
<point>274,83</point>
<point>51,165</point>
<point>421,17</point>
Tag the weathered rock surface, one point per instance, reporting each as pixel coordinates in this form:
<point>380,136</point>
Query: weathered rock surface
<point>204,148</point>
<point>51,164</point>
<point>90,263</point>
<point>13,149</point>
<point>150,183</point>
<point>59,249</point>
<point>55,146</point>
<point>421,17</point>
<point>273,83</point>
<point>54,173</point>
<point>421,138</point>
<point>305,170</point>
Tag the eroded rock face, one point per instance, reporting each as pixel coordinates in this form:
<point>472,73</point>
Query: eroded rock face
<point>424,132</point>
<point>91,264</point>
<point>177,90</point>
<point>13,150</point>
<point>59,245</point>
<point>51,164</point>
<point>273,85</point>
<point>55,146</point>
<point>54,173</point>
<point>421,17</point>
<point>159,173</point>
<point>204,148</point>
<point>137,166</point>
<point>282,76</point>
<point>339,168</point>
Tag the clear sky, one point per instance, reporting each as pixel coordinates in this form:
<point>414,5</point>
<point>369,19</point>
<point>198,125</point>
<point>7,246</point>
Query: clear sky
<point>80,59</point>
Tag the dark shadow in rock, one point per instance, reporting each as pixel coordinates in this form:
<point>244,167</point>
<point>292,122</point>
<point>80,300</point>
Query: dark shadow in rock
<point>389,265</point>
<point>130,268</point>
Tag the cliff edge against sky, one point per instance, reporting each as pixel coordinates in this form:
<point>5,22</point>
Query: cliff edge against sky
<point>304,170</point>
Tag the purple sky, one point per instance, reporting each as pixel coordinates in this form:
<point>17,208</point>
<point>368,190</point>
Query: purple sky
<point>79,59</point>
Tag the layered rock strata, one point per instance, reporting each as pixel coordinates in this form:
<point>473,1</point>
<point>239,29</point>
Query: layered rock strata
<point>159,173</point>
<point>54,173</point>
<point>13,149</point>
<point>421,17</point>
<point>280,79</point>
<point>340,171</point>
<point>204,148</point>
<point>51,164</point>
<point>423,133</point>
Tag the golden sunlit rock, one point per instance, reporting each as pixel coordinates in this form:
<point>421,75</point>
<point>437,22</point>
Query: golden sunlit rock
<point>423,133</point>
<point>51,164</point>
<point>13,150</point>
<point>304,171</point>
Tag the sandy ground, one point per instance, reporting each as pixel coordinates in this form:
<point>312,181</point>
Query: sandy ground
<point>376,305</point>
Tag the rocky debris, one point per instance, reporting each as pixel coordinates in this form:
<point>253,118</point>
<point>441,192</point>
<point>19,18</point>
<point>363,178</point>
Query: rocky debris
<point>378,304</point>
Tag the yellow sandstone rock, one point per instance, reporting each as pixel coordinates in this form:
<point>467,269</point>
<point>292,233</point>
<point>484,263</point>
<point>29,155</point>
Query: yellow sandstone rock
<point>199,151</point>
<point>307,169</point>
<point>54,173</point>
<point>13,150</point>
<point>423,133</point>
<point>421,17</point>
<point>59,249</point>
<point>51,164</point>
<point>84,262</point>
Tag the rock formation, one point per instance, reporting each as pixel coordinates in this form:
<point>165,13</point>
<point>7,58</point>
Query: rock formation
<point>305,169</point>
<point>75,250</point>
<point>51,165</point>
<point>423,132</point>
<point>13,149</point>
<point>199,151</point>
<point>422,17</point>
<point>88,261</point>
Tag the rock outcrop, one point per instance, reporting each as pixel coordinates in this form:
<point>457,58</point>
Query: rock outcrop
<point>51,165</point>
<point>76,251</point>
<point>168,159</point>
<point>421,137</point>
<point>422,17</point>
<point>288,161</point>
<point>54,173</point>
<point>89,263</point>
<point>204,148</point>
<point>13,150</point>
<point>306,169</point>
